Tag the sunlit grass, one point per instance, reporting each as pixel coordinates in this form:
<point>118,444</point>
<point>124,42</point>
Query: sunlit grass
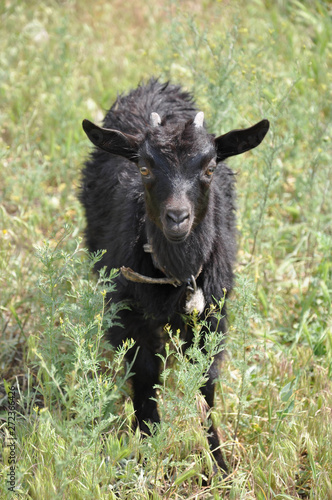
<point>63,61</point>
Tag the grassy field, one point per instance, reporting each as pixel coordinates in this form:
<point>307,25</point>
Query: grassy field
<point>62,61</point>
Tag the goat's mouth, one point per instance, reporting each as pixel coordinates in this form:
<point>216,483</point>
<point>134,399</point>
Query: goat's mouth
<point>176,236</point>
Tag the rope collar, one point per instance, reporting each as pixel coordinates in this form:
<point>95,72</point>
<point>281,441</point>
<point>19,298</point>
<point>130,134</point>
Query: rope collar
<point>131,275</point>
<point>194,295</point>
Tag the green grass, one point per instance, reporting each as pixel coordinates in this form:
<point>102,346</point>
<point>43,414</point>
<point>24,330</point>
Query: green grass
<point>63,61</point>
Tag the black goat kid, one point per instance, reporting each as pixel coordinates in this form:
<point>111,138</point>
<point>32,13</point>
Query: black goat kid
<point>159,199</point>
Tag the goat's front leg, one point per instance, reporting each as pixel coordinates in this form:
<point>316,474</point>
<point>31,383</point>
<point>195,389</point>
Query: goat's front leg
<point>146,367</point>
<point>208,391</point>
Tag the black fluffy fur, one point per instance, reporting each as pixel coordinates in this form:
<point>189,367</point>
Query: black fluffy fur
<point>124,212</point>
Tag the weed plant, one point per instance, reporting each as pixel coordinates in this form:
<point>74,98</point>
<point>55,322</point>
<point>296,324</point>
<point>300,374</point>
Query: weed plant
<point>63,61</point>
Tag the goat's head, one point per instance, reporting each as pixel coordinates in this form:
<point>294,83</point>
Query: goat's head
<point>176,162</point>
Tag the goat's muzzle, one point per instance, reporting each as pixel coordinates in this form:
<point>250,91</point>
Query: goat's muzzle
<point>177,224</point>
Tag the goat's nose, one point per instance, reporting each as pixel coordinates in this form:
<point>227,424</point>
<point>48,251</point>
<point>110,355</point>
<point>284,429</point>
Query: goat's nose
<point>177,216</point>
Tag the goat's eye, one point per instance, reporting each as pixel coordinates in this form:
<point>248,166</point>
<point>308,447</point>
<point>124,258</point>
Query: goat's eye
<point>144,171</point>
<point>210,170</point>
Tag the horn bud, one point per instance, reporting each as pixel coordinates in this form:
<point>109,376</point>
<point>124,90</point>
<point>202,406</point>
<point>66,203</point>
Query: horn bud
<point>199,119</point>
<point>155,119</point>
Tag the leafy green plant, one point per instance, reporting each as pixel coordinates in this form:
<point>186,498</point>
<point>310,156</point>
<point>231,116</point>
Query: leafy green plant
<point>64,61</point>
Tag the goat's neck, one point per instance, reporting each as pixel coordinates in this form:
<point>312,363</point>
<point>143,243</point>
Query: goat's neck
<point>178,260</point>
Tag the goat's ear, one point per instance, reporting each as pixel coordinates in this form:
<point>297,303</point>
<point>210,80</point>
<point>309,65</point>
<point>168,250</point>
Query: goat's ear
<point>112,141</point>
<point>236,142</point>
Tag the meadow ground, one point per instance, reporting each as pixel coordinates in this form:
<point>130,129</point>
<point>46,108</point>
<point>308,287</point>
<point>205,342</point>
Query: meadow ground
<point>62,61</point>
